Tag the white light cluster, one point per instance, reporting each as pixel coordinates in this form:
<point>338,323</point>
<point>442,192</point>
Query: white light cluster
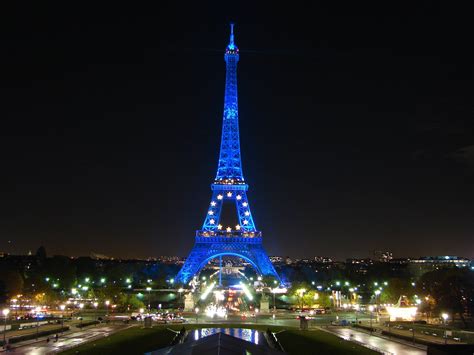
<point>246,291</point>
<point>402,313</point>
<point>208,291</point>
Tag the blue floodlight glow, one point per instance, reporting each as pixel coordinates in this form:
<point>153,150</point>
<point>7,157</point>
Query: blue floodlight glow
<point>214,239</point>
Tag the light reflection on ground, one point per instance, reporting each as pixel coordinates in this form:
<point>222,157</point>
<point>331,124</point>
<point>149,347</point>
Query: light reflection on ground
<point>250,335</point>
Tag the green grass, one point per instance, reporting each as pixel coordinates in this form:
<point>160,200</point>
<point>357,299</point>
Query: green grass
<point>318,342</point>
<point>130,341</point>
<point>137,340</point>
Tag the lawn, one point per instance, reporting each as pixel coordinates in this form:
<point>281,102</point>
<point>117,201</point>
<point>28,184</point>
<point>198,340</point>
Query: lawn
<point>134,340</point>
<point>318,342</point>
<point>137,340</point>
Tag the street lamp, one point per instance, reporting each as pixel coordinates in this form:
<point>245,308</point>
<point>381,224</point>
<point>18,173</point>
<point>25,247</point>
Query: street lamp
<point>377,294</point>
<point>197,313</point>
<point>180,291</point>
<point>37,309</point>
<point>62,308</point>
<point>445,317</point>
<point>371,309</point>
<point>107,303</point>
<point>149,305</point>
<point>95,304</point>
<point>274,305</point>
<point>5,314</point>
<point>81,306</point>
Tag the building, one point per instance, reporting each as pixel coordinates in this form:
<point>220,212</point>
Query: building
<point>383,256</point>
<point>426,264</point>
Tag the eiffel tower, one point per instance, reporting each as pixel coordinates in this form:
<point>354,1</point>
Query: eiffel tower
<point>215,240</point>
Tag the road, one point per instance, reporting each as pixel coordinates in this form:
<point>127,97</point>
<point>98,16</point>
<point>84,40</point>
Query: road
<point>386,345</point>
<point>67,340</point>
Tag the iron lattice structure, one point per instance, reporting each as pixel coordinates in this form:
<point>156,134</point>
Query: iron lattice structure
<point>215,240</point>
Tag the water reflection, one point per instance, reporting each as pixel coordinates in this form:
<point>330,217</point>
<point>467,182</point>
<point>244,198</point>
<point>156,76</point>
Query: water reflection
<point>250,335</point>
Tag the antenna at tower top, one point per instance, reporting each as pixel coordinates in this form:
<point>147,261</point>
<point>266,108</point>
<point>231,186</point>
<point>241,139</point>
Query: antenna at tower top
<point>231,45</point>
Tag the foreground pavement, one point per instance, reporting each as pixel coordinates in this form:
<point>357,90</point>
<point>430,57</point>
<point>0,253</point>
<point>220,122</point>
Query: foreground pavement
<point>66,341</point>
<point>383,344</point>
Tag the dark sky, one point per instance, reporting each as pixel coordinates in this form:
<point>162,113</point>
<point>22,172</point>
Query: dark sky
<point>356,123</point>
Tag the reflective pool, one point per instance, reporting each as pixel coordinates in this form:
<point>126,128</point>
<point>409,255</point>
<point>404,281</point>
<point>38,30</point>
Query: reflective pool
<point>251,335</point>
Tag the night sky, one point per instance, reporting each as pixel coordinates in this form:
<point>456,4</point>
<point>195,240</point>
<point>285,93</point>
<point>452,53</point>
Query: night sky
<point>356,125</point>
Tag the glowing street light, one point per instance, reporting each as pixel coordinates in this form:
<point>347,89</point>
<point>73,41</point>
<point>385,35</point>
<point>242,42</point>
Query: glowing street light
<point>149,303</point>
<point>5,314</point>
<point>445,317</point>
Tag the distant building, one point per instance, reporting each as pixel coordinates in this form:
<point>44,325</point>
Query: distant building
<point>277,259</point>
<point>426,264</point>
<point>322,259</point>
<point>383,256</point>
<point>97,256</point>
<point>360,266</point>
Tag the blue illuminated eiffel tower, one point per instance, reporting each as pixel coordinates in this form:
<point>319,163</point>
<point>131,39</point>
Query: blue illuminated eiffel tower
<point>242,240</point>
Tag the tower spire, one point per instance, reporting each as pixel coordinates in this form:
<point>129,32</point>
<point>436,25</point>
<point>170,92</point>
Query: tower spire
<point>231,46</point>
<point>230,166</point>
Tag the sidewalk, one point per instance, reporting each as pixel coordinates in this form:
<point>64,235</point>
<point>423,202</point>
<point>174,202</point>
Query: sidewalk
<point>66,340</point>
<point>377,343</point>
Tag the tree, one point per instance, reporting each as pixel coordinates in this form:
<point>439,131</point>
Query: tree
<point>452,290</point>
<point>12,282</point>
<point>395,288</point>
<point>128,302</point>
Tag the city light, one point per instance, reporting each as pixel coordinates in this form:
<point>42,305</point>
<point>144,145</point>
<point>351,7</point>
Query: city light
<point>401,313</point>
<point>246,291</point>
<point>208,291</point>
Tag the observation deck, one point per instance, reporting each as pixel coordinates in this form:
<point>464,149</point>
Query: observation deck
<point>223,235</point>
